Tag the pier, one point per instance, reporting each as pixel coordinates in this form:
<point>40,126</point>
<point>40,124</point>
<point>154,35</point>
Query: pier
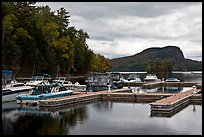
<point>172,104</point>
<point>162,84</point>
<point>161,104</point>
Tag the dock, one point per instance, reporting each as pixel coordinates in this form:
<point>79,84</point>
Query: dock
<point>163,84</point>
<point>161,104</point>
<point>172,104</point>
<point>77,97</point>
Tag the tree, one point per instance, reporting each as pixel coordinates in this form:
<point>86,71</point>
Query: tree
<point>63,19</point>
<point>8,24</point>
<point>161,67</point>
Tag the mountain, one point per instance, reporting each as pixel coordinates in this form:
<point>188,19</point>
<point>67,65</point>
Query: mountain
<point>139,62</point>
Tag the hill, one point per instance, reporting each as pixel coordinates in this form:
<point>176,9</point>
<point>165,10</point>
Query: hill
<point>193,65</point>
<point>139,62</point>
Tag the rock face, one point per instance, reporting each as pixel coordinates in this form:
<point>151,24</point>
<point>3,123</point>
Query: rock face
<point>139,62</point>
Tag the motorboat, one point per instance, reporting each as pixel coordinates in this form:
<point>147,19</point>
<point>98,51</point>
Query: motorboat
<point>10,91</point>
<point>98,80</point>
<point>151,78</point>
<point>11,88</point>
<point>172,80</point>
<point>132,79</point>
<point>68,84</point>
<point>116,80</point>
<point>42,91</point>
<point>38,78</point>
<point>103,81</point>
<point>78,87</point>
<point>63,81</point>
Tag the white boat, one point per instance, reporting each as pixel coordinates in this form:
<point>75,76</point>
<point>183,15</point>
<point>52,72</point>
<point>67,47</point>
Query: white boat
<point>79,87</point>
<point>63,81</point>
<point>151,78</point>
<point>132,79</point>
<point>69,84</point>
<point>172,80</point>
<point>38,78</point>
<point>98,80</point>
<point>43,91</point>
<point>11,88</point>
<point>35,80</point>
<point>116,80</point>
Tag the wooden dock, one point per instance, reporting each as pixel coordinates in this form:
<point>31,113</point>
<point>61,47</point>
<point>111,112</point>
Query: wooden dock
<point>73,99</point>
<point>78,97</point>
<point>161,104</point>
<point>163,84</point>
<point>172,104</point>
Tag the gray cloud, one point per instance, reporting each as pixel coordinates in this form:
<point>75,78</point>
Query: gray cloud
<point>117,25</point>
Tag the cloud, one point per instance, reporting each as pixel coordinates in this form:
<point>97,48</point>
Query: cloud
<point>119,29</point>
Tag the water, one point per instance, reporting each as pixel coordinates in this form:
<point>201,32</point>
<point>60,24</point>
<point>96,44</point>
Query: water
<point>102,118</point>
<point>159,89</point>
<point>195,76</point>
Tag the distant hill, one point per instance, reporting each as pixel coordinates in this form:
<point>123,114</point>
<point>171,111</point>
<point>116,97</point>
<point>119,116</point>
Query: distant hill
<point>139,62</point>
<point>193,65</point>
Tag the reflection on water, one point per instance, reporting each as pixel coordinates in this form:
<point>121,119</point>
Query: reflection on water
<point>101,118</point>
<point>35,121</point>
<point>182,76</point>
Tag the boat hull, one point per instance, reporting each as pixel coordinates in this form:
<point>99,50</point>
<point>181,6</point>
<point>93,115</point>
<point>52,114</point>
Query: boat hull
<point>12,96</point>
<point>27,98</point>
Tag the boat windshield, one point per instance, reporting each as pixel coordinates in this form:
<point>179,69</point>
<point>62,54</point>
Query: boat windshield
<point>60,78</point>
<point>37,78</point>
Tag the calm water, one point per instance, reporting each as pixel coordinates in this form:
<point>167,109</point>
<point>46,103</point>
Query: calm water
<point>99,118</point>
<point>102,118</point>
<point>195,76</point>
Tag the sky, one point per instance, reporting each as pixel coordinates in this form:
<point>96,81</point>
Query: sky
<point>118,29</point>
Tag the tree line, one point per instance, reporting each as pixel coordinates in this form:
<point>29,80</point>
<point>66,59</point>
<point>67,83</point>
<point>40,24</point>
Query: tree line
<point>161,67</point>
<point>36,39</point>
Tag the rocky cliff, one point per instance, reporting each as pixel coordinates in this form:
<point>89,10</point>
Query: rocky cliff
<point>139,62</point>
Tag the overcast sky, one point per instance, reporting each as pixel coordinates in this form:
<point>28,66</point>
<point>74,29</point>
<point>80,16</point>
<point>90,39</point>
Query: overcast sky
<point>118,29</point>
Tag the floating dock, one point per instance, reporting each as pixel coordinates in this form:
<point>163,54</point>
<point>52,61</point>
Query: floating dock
<point>78,97</point>
<point>161,104</point>
<point>73,99</point>
<point>172,104</point>
<point>163,84</point>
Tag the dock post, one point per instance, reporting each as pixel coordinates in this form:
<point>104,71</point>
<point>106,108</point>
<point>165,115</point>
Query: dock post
<point>109,87</point>
<point>194,89</point>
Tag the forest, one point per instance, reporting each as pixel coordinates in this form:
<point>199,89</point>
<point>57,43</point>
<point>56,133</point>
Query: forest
<point>36,39</point>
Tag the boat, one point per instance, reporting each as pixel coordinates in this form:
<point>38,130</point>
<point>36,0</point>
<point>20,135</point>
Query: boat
<point>172,80</point>
<point>101,80</point>
<point>42,91</point>
<point>11,88</point>
<point>151,78</point>
<point>63,81</point>
<point>132,78</point>
<point>68,84</point>
<point>116,80</point>
<point>78,87</point>
<point>104,81</point>
<point>38,78</point>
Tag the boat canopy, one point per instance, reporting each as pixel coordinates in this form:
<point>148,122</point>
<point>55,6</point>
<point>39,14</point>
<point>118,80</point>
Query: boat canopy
<point>7,71</point>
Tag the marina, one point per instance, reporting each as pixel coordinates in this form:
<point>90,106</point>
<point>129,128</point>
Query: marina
<point>117,69</point>
<point>190,95</point>
<point>160,102</point>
